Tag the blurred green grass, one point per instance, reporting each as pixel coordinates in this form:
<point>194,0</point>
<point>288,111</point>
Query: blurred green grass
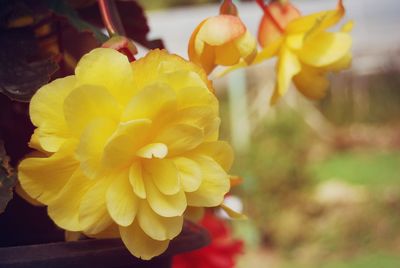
<point>370,168</point>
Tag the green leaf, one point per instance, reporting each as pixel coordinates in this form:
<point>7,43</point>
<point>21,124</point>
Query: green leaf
<point>62,8</point>
<point>7,178</point>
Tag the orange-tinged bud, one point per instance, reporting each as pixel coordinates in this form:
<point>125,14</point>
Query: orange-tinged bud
<point>276,17</point>
<point>221,40</point>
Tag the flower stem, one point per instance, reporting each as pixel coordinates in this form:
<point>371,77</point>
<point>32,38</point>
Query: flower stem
<point>268,13</point>
<point>110,17</point>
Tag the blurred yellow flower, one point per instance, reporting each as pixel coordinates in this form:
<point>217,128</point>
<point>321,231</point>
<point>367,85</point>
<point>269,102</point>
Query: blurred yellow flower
<point>221,40</point>
<point>127,149</point>
<point>307,52</point>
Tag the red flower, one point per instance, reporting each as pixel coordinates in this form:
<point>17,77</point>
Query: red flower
<point>220,253</point>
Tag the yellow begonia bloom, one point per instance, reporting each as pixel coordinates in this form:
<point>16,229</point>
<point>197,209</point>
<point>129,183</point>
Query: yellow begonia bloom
<point>125,149</point>
<point>221,40</point>
<point>307,52</point>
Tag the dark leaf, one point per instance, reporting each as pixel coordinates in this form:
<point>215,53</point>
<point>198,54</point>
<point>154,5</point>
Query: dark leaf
<point>23,69</point>
<point>61,8</point>
<point>133,19</point>
<point>7,178</point>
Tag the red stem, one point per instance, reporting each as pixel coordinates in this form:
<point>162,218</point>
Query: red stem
<point>268,13</point>
<point>110,17</point>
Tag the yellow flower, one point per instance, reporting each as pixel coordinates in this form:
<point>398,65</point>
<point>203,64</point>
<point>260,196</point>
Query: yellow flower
<point>307,52</point>
<point>221,40</point>
<point>127,149</point>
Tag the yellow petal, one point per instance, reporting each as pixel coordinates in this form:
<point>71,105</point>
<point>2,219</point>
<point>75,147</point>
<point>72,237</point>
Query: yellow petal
<point>325,48</point>
<point>341,64</point>
<point>180,138</point>
<point>164,205</point>
<point>64,211</point>
<point>107,68</point>
<point>189,173</point>
<point>158,63</point>
<point>197,96</point>
<point>268,51</point>
<point>43,178</point>
<point>207,58</point>
<point>153,150</point>
<point>247,47</point>
<point>182,79</point>
<point>158,227</point>
<point>91,144</point>
<point>227,54</point>
<point>140,244</point>
<point>196,45</point>
<point>122,203</point>
<point>93,214</point>
<point>215,184</point>
<point>221,29</point>
<point>347,27</point>
<point>316,22</point>
<point>198,116</point>
<point>136,180</point>
<point>150,102</point>
<point>87,103</point>
<point>164,174</point>
<point>220,151</point>
<point>121,148</point>
<point>46,111</point>
<point>288,66</point>
<point>311,82</point>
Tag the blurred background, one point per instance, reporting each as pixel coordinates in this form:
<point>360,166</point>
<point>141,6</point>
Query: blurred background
<point>321,179</point>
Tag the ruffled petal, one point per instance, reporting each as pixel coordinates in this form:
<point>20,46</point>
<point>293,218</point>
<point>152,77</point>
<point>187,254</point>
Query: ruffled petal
<point>140,244</point>
<point>311,82</point>
<point>189,173</point>
<point>87,103</point>
<point>93,214</point>
<point>46,111</point>
<point>136,180</point>
<point>64,211</point>
<point>122,203</point>
<point>220,151</point>
<point>197,96</point>
<point>158,227</point>
<point>109,69</point>
<point>164,174</point>
<point>91,144</point>
<point>325,48</point>
<point>164,205</point>
<point>153,150</point>
<point>215,184</point>
<point>288,66</point>
<point>158,63</point>
<point>121,148</point>
<point>44,177</point>
<point>180,138</point>
<point>152,101</point>
<point>316,22</point>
